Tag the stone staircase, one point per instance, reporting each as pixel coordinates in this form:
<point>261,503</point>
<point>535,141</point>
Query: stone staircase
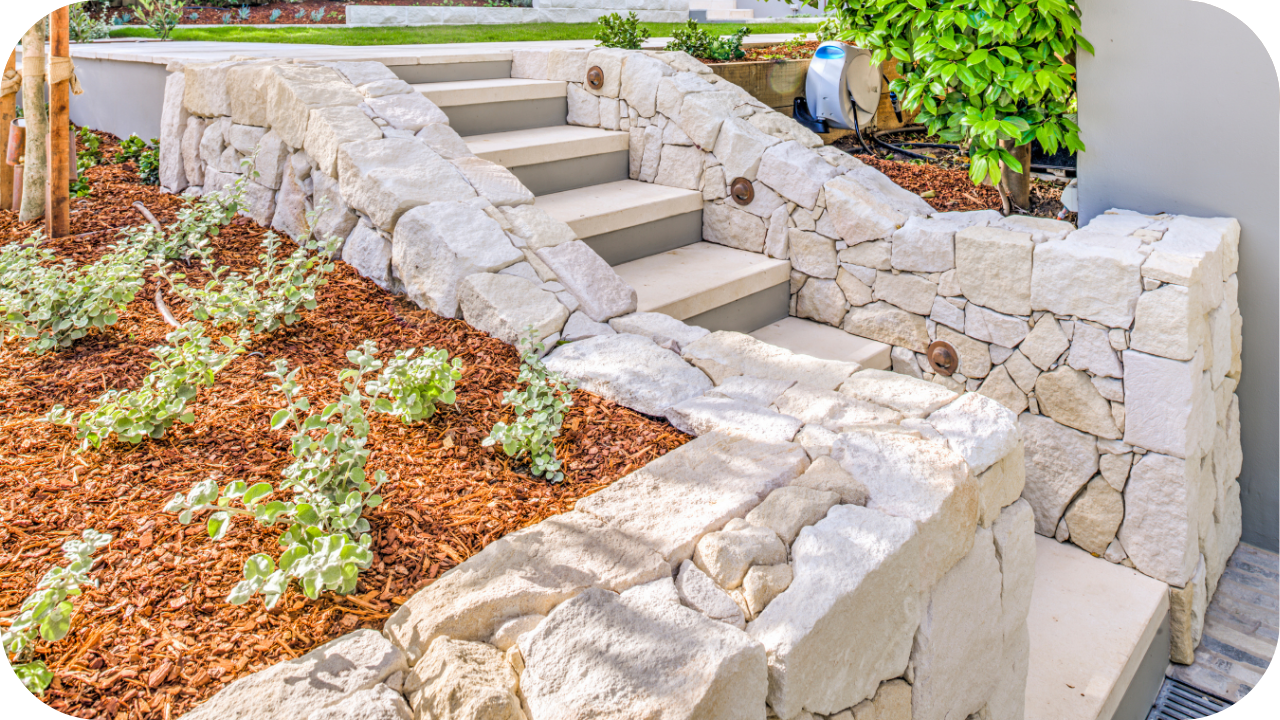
<point>651,234</point>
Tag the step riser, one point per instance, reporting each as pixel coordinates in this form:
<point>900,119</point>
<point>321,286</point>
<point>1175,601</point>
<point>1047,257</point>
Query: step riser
<point>747,313</point>
<point>453,72</point>
<point>659,236</point>
<point>469,120</point>
<point>573,173</point>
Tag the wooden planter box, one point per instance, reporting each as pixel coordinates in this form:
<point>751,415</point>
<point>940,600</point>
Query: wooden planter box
<point>777,83</point>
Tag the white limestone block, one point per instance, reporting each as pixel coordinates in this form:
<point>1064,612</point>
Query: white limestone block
<point>1068,396</point>
<point>1059,461</point>
<point>733,228</point>
<point>630,370</point>
<point>987,326</point>
<point>795,172</point>
<point>993,267</point>
<point>505,306</point>
<point>1169,322</point>
<point>724,354</point>
<point>384,178</point>
<point>1167,404</point>
<point>493,182</point>
<point>1094,517</point>
<point>909,396</point>
<point>699,592</point>
<point>584,108</point>
<point>1045,343</point>
<point>740,146</point>
<point>701,415</point>
<point>726,555</point>
<point>1163,500</point>
<point>980,429</point>
<point>1090,281</point>
<point>888,324</point>
<point>680,166</point>
<point>975,357</point>
<point>908,291</point>
<point>1091,352</point>
<point>821,300</point>
<point>858,213</point>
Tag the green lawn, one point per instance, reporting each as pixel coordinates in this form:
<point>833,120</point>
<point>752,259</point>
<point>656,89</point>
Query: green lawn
<point>341,35</point>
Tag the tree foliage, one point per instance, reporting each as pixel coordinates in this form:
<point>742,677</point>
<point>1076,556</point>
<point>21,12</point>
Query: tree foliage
<point>978,71</point>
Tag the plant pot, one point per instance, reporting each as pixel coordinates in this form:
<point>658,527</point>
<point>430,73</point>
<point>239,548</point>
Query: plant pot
<point>17,142</point>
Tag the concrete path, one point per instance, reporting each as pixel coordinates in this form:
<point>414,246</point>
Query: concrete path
<point>1240,629</point>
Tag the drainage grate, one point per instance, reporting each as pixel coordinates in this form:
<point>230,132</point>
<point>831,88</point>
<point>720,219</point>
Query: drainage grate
<point>1179,701</point>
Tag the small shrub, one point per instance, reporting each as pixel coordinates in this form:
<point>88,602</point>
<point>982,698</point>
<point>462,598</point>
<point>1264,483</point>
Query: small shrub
<point>275,15</point>
<point>415,385</point>
<point>616,31</point>
<point>187,363</point>
<point>52,304</point>
<point>539,409</point>
<point>326,541</point>
<point>147,156</point>
<point>317,15</point>
<point>47,611</point>
<point>162,16</point>
<point>828,29</point>
<point>702,44</point>
<point>83,26</point>
<point>244,13</point>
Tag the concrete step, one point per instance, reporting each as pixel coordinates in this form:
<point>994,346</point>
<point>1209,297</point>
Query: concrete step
<point>711,285</point>
<point>731,14</point>
<point>554,159</point>
<point>1099,637</point>
<point>713,4</point>
<point>452,66</point>
<point>823,341</point>
<point>477,107</point>
<point>628,220</point>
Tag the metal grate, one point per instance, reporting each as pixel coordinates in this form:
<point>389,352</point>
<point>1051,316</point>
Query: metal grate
<point>1179,701</point>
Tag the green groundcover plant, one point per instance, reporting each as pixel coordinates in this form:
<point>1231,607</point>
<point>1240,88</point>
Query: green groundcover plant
<point>539,407</point>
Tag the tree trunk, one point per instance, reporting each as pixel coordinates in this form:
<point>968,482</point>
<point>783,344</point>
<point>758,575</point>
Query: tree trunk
<point>1017,185</point>
<point>58,202</point>
<point>35,157</point>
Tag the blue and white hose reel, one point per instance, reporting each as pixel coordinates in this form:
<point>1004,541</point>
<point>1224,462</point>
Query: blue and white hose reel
<point>842,89</point>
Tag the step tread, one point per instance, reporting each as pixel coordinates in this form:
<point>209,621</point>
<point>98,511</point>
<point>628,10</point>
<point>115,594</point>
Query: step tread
<point>515,148</point>
<point>482,92</point>
<point>824,341</point>
<point>1091,622</point>
<point>694,279</point>
<point>599,209</point>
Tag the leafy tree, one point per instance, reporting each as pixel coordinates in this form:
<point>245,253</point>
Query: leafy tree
<point>992,74</point>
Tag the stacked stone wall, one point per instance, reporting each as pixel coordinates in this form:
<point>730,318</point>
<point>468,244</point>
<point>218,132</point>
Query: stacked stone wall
<point>836,541</point>
<point>544,11</point>
<point>1118,344</point>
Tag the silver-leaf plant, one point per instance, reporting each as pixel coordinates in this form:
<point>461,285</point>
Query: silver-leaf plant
<point>47,612</point>
<point>539,407</point>
<point>415,385</point>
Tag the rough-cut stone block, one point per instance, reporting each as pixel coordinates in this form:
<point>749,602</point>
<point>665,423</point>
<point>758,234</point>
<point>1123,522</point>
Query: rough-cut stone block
<point>640,77</point>
<point>322,678</point>
<point>751,390</point>
<point>1094,516</point>
<point>1169,322</point>
<point>1001,485</point>
<point>763,583</point>
<point>609,60</point>
<point>435,246</point>
<point>205,89</point>
<point>979,428</point>
<point>658,327</point>
<point>924,245</point>
<point>795,172</point>
<point>608,658</point>
<point>332,127</point>
<point>987,326</point>
<point>993,267</point>
<point>459,679</point>
<point>630,370</point>
<point>847,619</point>
<point>1163,501</point>
<point>598,288</point>
<point>1045,343</point>
<point>384,178</point>
<point>922,480</point>
<point>493,182</point>
<point>529,571</point>
<point>908,291</point>
<point>1167,404</point>
<point>407,112</point>
<point>821,300</point>
<point>789,509</point>
<point>293,91</point>
<point>725,354</point>
<point>701,115</point>
<point>580,327</point>
<point>569,64</point>
<point>173,125</point>
<point>1090,281</point>
<point>584,108</point>
<point>975,357</point>
<point>739,147</point>
<point>1187,607</point>
<point>244,138</point>
<point>784,128</point>
<point>832,409</point>
<point>909,396</point>
<point>1091,352</point>
<point>1014,534</point>
<point>1059,462</point>
<point>247,92</point>
<point>734,228</point>
<point>859,214</point>
<point>377,703</point>
<point>725,555</point>
<point>812,254</point>
<point>444,140</point>
<point>680,166</point>
<point>673,501</point>
<point>826,475</point>
<point>701,415</point>
<point>960,642</point>
<point>505,306</point>
<point>192,164</point>
<point>370,254</point>
<point>856,292</point>
<point>1067,396</point>
<point>888,324</point>
<point>271,156</point>
<point>292,205</point>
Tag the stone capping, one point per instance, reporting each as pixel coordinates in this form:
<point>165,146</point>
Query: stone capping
<point>557,11</point>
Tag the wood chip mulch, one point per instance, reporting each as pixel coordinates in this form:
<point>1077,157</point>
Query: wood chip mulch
<point>156,637</point>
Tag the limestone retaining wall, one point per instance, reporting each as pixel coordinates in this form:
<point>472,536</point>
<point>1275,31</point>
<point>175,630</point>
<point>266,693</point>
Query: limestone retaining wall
<point>836,540</point>
<point>1045,318</point>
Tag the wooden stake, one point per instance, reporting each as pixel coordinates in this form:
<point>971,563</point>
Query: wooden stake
<point>8,111</point>
<point>35,155</point>
<point>58,200</point>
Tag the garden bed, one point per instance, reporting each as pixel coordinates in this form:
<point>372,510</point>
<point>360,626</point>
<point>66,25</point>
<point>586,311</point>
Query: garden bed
<point>157,636</point>
<point>306,12</point>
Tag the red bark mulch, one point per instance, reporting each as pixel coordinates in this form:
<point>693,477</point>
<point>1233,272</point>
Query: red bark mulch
<point>157,637</point>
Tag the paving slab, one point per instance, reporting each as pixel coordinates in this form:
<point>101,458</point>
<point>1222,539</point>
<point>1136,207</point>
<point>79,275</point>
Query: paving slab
<point>823,341</point>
